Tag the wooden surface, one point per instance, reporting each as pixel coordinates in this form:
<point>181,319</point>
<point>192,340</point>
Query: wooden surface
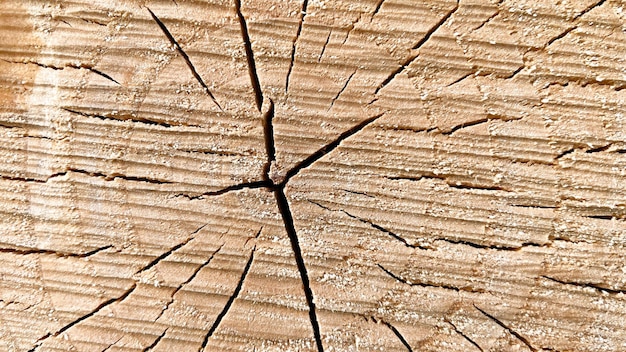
<point>279,175</point>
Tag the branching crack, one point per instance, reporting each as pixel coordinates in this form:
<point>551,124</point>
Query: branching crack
<point>332,103</point>
<point>254,77</point>
<point>584,284</point>
<point>505,327</point>
<point>185,57</point>
<point>229,303</point>
<point>399,335</point>
<point>295,43</point>
<point>56,253</point>
<point>464,336</point>
<point>193,275</point>
<point>424,284</point>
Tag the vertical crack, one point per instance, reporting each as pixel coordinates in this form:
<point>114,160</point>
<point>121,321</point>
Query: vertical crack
<point>505,327</point>
<point>185,56</point>
<point>229,303</point>
<point>399,335</point>
<point>283,206</point>
<point>268,134</point>
<point>319,58</point>
<point>295,43</point>
<point>254,77</point>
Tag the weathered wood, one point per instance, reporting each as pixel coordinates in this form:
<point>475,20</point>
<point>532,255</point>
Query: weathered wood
<point>304,175</point>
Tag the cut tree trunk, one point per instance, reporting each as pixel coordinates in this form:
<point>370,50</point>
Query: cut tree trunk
<point>339,175</point>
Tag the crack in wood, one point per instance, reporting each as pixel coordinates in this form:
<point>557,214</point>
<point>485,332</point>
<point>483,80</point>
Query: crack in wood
<point>95,311</point>
<point>295,43</point>
<point>584,284</point>
<point>184,55</point>
<point>464,336</point>
<point>419,44</point>
<point>283,206</point>
<point>319,58</point>
<point>189,279</point>
<point>69,65</point>
<point>229,303</point>
<point>398,335</point>
<point>254,76</point>
<point>29,251</point>
<point>158,259</point>
<point>122,117</point>
<point>428,285</point>
<point>237,187</point>
<point>155,342</point>
<point>332,103</point>
<point>507,328</point>
<point>323,151</point>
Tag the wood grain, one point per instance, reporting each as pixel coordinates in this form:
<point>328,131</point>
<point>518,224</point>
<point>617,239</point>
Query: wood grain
<point>312,175</point>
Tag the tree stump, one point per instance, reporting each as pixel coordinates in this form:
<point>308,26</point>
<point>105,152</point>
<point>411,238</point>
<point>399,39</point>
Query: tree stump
<point>271,175</point>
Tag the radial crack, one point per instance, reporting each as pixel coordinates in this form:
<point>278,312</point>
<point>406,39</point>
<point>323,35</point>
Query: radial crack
<point>185,57</point>
<point>423,284</point>
<point>189,279</point>
<point>254,77</point>
<point>295,43</point>
<point>412,57</point>
<point>583,284</point>
<point>399,335</point>
<point>268,134</point>
<point>320,153</point>
<point>505,327</point>
<point>319,58</point>
<point>75,66</point>
<point>230,301</point>
<point>332,103</point>
<point>377,8</point>
<point>237,187</point>
<point>464,336</point>
<point>85,317</point>
<point>50,252</point>
<point>158,259</point>
<point>382,229</point>
<point>156,342</point>
<point>285,211</point>
<point>120,117</point>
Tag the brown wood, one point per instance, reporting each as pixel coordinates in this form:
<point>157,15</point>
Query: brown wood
<point>289,176</point>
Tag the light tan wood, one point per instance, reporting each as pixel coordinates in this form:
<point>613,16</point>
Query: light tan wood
<point>289,176</point>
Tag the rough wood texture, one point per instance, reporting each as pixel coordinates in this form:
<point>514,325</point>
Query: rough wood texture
<point>343,175</point>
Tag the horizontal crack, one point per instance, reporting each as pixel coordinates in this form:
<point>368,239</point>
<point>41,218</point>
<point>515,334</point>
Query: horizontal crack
<point>424,284</point>
<point>584,284</point>
<point>237,187</point>
<point>29,251</point>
